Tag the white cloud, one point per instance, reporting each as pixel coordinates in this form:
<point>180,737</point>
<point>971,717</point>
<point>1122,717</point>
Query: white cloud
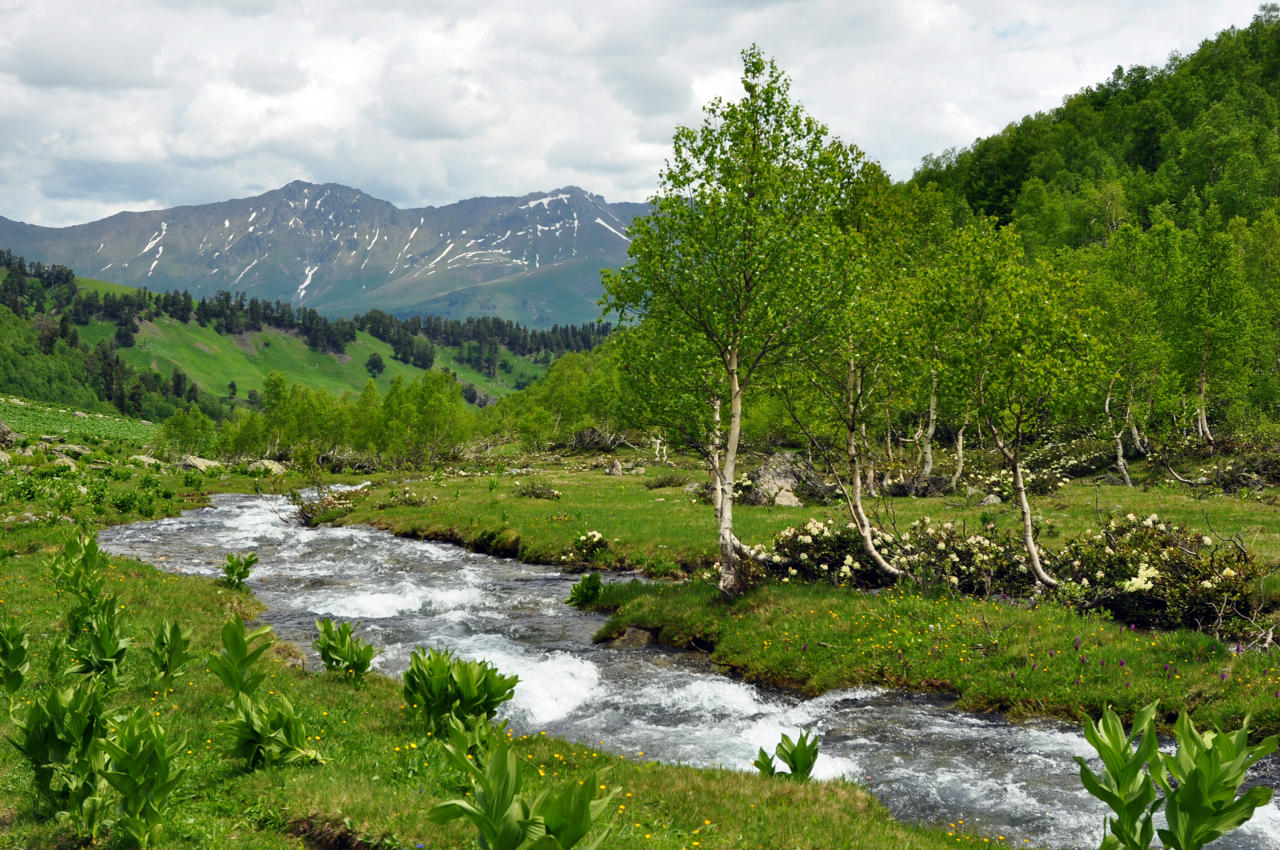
<point>167,102</point>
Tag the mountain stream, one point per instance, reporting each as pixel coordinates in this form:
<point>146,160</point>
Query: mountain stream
<point>928,763</point>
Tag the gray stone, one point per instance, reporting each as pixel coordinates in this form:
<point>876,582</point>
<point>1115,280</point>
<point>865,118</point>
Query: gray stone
<point>970,491</point>
<point>198,463</point>
<point>783,471</point>
<point>993,499</point>
<point>632,638</point>
<point>145,460</point>
<point>639,470</point>
<point>80,414</point>
<point>271,467</point>
<point>8,436</point>
<point>615,468</point>
<point>73,449</point>
<point>64,461</point>
<point>784,498</point>
<point>5,460</point>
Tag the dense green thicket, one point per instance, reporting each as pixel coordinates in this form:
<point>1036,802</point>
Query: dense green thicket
<point>27,370</point>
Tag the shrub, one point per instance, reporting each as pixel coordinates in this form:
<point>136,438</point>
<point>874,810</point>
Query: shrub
<point>99,647</point>
<point>589,544</point>
<point>984,563</point>
<point>341,651</point>
<point>667,479</point>
<point>536,490</point>
<point>1154,573</point>
<point>440,686</point>
<point>56,736</point>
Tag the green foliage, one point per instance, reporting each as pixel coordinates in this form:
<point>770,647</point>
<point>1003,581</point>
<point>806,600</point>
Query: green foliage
<point>142,769</point>
<point>237,568</point>
<point>58,737</point>
<point>507,820</point>
<point>341,651</point>
<point>590,544</point>
<point>667,479</point>
<point>233,664</point>
<point>267,733</point>
<point>585,591</point>
<point>170,650</point>
<point>799,756</point>
<point>1155,573</point>
<point>1200,782</point>
<point>13,656</point>
<point>534,489</point>
<point>439,686</point>
<point>98,649</point>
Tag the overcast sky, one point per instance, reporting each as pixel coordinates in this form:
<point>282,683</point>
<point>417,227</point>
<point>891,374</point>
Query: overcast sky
<point>142,104</point>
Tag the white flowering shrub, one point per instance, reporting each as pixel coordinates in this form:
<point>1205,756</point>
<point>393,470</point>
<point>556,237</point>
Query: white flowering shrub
<point>588,545</point>
<point>983,563</point>
<point>1155,573</point>
<point>534,489</point>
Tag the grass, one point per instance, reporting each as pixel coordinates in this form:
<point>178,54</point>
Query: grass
<point>383,773</point>
<point>37,418</point>
<point>995,656</point>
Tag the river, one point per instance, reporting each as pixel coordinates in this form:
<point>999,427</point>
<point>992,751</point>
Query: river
<point>928,763</point>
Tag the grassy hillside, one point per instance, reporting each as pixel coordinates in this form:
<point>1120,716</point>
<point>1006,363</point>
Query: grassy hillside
<point>213,360</point>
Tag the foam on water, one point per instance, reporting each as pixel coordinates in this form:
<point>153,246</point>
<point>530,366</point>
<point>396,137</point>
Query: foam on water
<point>366,604</point>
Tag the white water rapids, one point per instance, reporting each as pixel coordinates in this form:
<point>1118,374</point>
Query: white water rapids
<point>929,764</point>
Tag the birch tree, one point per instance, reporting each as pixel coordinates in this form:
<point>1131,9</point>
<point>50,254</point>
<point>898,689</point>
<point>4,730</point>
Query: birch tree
<point>733,262</point>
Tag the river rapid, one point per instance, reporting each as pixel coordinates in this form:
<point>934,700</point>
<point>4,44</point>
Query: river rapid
<point>928,763</point>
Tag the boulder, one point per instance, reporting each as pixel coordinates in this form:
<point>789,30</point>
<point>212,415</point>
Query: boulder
<point>783,471</point>
<point>5,460</point>
<point>993,499</point>
<point>632,638</point>
<point>8,436</point>
<point>73,449</point>
<point>198,463</point>
<point>784,498</point>
<point>615,468</point>
<point>145,460</point>
<point>639,470</point>
<point>270,467</point>
<point>63,461</point>
<point>80,414</point>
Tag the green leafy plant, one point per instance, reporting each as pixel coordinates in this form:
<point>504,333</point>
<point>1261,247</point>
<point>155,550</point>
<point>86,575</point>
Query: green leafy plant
<point>799,756</point>
<point>1200,782</point>
<point>58,736</point>
<point>142,769</point>
<point>506,820</point>
<point>13,656</point>
<point>100,646</point>
<point>439,685</point>
<point>170,649</point>
<point>535,490</point>
<point>341,651</point>
<point>233,664</point>
<point>585,591</point>
<point>236,570</point>
<point>265,734</point>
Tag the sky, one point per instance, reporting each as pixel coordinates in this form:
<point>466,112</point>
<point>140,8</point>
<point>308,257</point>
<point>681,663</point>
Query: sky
<point>149,104</point>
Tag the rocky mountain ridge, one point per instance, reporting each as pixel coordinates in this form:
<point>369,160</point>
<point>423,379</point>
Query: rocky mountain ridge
<point>535,259</point>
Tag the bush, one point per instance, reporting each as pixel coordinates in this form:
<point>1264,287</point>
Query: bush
<point>1154,573</point>
<point>667,479</point>
<point>589,544</point>
<point>981,564</point>
<point>586,591</point>
<point>536,490</point>
<point>440,686</point>
<point>266,734</point>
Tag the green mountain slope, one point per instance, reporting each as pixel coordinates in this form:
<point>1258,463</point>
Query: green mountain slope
<point>1204,130</point>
